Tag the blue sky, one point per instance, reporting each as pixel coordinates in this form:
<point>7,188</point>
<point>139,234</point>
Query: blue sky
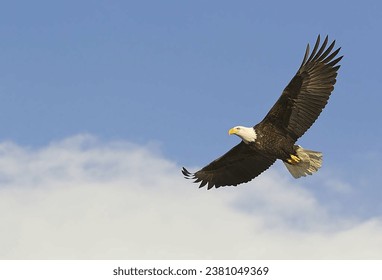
<point>176,75</point>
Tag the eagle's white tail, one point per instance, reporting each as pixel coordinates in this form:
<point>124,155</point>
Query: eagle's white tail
<point>310,162</point>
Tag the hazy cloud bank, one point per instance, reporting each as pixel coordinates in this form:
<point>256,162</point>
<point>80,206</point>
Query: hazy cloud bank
<point>81,198</point>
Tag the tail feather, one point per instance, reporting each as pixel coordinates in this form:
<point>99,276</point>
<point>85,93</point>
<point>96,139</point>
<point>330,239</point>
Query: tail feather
<point>310,162</point>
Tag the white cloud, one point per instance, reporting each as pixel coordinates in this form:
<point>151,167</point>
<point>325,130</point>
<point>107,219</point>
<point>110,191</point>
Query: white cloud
<point>80,198</point>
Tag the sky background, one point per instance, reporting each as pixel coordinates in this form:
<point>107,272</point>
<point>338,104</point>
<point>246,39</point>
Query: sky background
<point>103,102</point>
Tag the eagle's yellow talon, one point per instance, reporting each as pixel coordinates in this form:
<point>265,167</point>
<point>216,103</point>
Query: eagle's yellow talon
<point>293,159</point>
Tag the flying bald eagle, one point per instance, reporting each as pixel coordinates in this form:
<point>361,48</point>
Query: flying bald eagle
<point>274,137</point>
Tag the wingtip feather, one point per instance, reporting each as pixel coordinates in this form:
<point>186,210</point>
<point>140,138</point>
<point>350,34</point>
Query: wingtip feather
<point>187,174</point>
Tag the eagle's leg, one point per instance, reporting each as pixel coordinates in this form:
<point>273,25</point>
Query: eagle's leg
<point>293,159</point>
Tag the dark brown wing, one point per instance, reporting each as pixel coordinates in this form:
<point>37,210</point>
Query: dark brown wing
<point>239,165</point>
<point>308,92</point>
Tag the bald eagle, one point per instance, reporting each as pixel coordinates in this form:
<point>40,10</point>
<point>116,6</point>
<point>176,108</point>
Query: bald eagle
<point>275,136</point>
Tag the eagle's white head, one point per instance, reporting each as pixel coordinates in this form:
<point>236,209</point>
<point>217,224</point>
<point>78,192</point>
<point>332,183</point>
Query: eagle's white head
<point>248,134</point>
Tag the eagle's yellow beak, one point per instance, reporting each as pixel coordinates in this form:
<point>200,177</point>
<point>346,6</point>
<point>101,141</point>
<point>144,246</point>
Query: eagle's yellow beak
<point>232,131</point>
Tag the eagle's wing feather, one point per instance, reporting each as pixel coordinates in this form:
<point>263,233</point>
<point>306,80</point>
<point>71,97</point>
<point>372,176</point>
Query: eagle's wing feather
<point>239,165</point>
<point>308,92</point>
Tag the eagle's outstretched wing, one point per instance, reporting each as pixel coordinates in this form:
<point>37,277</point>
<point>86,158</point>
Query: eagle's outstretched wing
<point>239,165</point>
<point>308,92</point>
